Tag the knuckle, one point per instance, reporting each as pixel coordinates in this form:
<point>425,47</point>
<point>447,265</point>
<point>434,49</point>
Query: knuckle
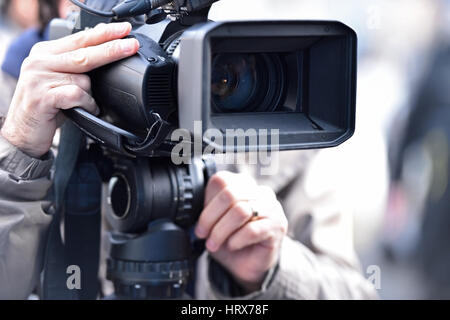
<point>80,38</point>
<point>253,231</point>
<point>233,245</point>
<point>280,218</point>
<point>241,212</point>
<point>38,48</point>
<point>283,225</point>
<point>74,93</point>
<point>31,106</point>
<point>220,179</point>
<point>80,58</point>
<point>245,180</point>
<point>28,64</point>
<point>30,80</point>
<point>102,31</point>
<point>112,49</point>
<point>215,237</point>
<point>272,242</point>
<point>84,36</point>
<point>277,209</point>
<point>81,80</point>
<point>91,102</point>
<point>227,196</point>
<point>203,223</point>
<point>267,191</point>
<point>105,31</point>
<point>86,81</point>
<point>68,79</point>
<point>100,28</point>
<point>52,99</point>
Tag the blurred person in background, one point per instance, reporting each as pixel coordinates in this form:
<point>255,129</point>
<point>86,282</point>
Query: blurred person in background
<point>32,16</point>
<point>15,16</point>
<point>422,166</point>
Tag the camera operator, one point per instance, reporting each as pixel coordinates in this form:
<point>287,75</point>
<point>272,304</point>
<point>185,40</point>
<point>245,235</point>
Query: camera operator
<point>249,255</point>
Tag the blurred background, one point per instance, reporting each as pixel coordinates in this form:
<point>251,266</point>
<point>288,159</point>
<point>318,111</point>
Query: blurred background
<point>394,172</point>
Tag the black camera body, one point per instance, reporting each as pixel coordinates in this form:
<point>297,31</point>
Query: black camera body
<point>294,79</point>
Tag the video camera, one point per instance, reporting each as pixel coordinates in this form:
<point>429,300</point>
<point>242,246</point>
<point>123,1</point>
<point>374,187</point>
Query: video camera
<point>236,78</point>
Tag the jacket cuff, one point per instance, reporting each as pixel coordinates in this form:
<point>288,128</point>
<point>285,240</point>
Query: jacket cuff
<point>285,281</point>
<point>224,287</point>
<point>20,165</point>
<point>290,283</point>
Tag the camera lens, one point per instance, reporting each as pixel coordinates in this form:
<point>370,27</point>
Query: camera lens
<point>243,82</point>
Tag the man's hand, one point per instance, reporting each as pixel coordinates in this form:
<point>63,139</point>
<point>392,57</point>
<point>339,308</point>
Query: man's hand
<point>245,244</point>
<point>52,80</point>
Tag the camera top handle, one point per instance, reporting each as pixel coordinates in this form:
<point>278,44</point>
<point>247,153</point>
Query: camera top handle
<point>134,8</point>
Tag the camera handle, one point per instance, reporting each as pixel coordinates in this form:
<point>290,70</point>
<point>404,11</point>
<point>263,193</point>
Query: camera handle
<point>118,139</point>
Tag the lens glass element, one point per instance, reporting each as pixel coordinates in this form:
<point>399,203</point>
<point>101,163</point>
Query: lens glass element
<point>233,81</point>
<point>245,82</point>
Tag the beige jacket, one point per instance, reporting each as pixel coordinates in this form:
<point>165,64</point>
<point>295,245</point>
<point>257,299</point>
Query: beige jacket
<point>317,260</point>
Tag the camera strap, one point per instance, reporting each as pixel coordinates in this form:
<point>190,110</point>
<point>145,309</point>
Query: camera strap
<point>118,139</point>
<point>156,136</point>
<point>71,266</point>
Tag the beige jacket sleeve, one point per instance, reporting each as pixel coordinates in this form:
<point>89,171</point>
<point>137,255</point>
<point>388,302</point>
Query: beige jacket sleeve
<point>24,182</point>
<point>317,258</point>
